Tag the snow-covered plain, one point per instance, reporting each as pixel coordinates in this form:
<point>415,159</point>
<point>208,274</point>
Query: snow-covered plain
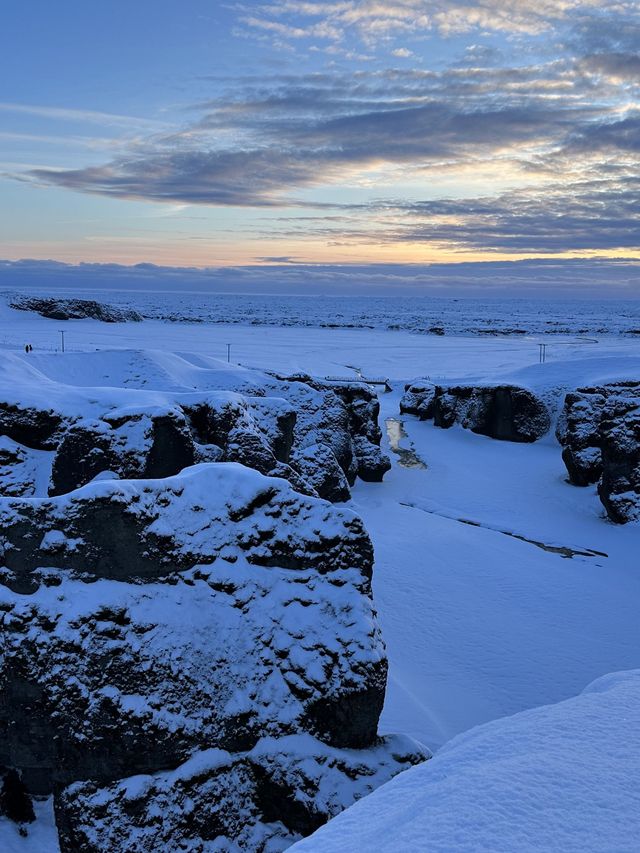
<point>556,778</point>
<point>423,315</point>
<point>499,586</point>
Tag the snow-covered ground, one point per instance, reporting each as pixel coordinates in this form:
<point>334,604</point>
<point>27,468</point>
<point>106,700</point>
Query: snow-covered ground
<point>434,315</point>
<point>38,837</point>
<point>398,354</point>
<point>557,778</point>
<point>499,586</point>
<point>478,623</point>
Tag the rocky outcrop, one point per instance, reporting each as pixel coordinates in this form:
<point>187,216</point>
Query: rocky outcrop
<point>21,468</point>
<point>373,464</point>
<point>153,443</point>
<point>418,399</point>
<point>211,635</point>
<point>578,431</point>
<point>599,430</point>
<point>15,800</point>
<point>619,488</point>
<point>264,799</point>
<point>342,416</point>
<point>75,309</point>
<point>112,529</point>
<point>32,426</point>
<point>190,657</point>
<point>318,466</point>
<point>318,436</point>
<point>504,412</point>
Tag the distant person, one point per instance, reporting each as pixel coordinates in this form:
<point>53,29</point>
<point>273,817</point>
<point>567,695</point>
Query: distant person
<point>26,347</point>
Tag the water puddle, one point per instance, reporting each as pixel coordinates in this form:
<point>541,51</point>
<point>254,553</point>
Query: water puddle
<point>407,457</point>
<point>562,550</point>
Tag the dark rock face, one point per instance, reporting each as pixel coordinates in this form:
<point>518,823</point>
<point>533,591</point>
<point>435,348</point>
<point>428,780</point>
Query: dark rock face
<point>418,400</point>
<point>83,453</point>
<point>373,464</point>
<point>318,465</point>
<point>75,309</point>
<point>599,429</point>
<point>578,432</point>
<point>214,629</point>
<point>162,446</point>
<point>263,800</point>
<point>36,428</point>
<point>619,488</point>
<point>15,802</point>
<point>504,412</point>
<point>111,530</point>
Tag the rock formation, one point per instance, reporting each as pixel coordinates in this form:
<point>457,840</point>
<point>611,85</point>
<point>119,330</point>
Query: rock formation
<point>505,412</point>
<point>599,430</point>
<point>318,437</point>
<point>190,655</point>
<point>216,626</point>
<point>75,309</point>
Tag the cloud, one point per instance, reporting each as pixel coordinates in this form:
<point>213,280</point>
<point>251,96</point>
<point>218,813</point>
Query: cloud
<point>586,217</point>
<point>253,178</point>
<point>564,218</point>
<point>321,131</point>
<point>564,131</point>
<point>374,22</point>
<point>617,66</point>
<point>277,259</point>
<point>83,116</point>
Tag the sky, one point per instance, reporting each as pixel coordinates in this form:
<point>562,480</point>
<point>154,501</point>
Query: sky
<point>208,134</point>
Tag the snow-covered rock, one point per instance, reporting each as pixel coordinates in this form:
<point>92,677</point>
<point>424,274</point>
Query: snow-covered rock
<point>55,308</point>
<point>317,436</point>
<point>34,426</point>
<point>318,465</point>
<point>578,431</point>
<point>418,399</point>
<point>599,430</point>
<point>329,409</point>
<point>559,777</point>
<point>264,799</point>
<point>213,631</point>
<point>505,412</point>
<point>151,442</point>
<point>146,529</point>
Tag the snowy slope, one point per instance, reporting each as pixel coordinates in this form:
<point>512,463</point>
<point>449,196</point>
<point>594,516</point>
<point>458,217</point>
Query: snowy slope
<point>556,778</point>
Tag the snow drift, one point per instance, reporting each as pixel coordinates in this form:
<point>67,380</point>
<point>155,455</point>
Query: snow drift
<point>554,778</point>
